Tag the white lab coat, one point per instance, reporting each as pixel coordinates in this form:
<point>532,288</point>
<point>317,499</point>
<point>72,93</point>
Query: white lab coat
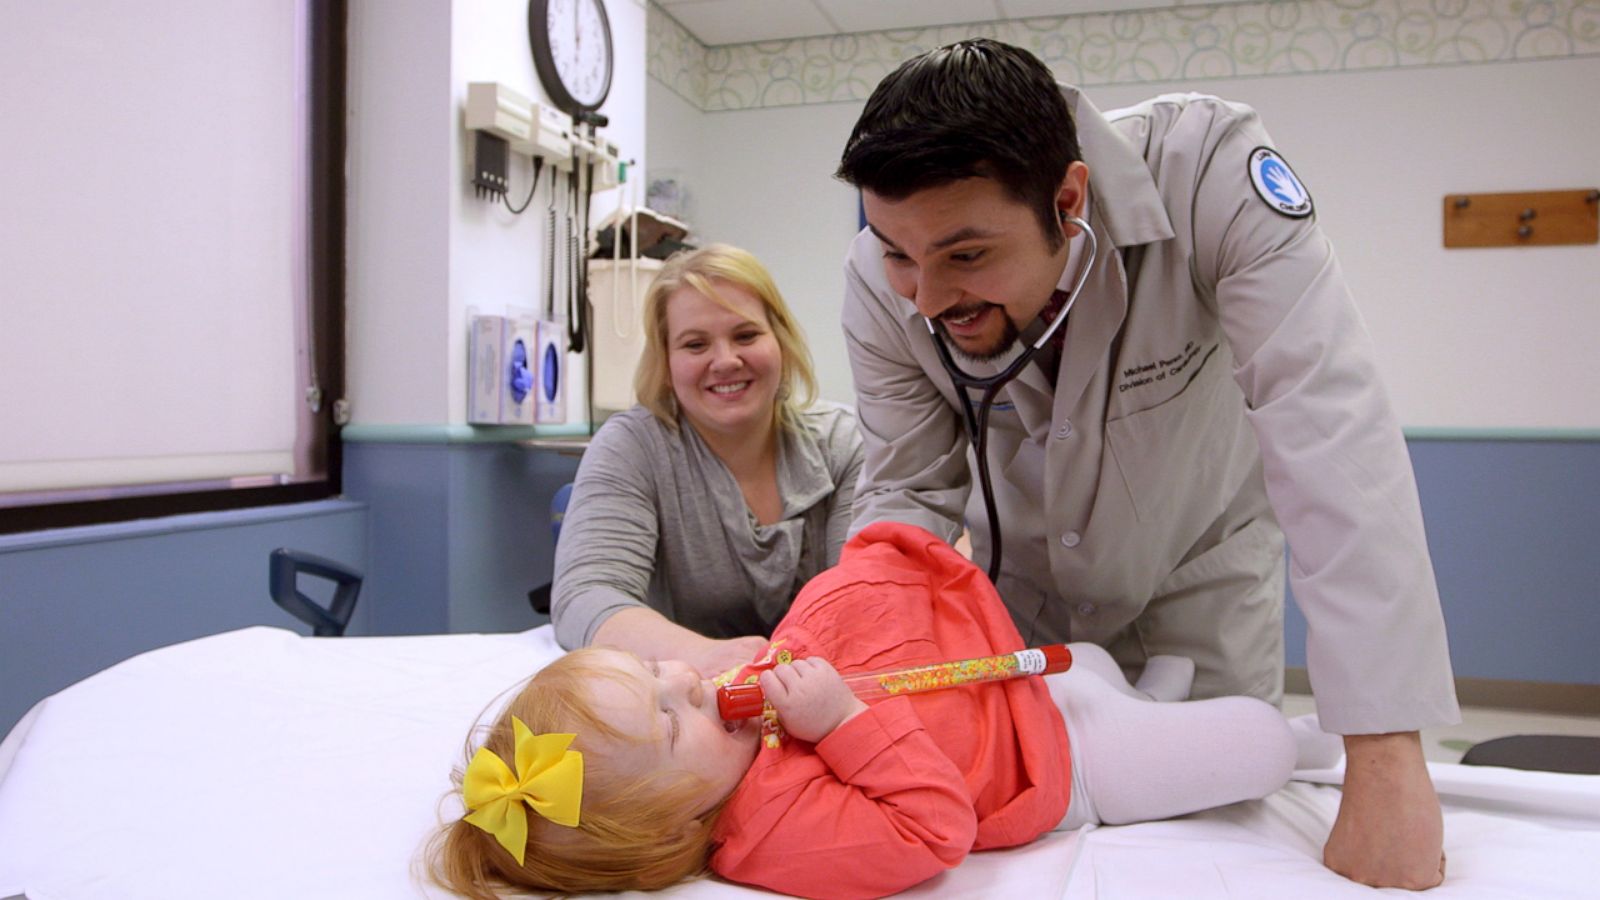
<point>1134,491</point>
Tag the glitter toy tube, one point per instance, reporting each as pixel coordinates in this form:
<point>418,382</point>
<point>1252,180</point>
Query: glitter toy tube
<point>741,701</point>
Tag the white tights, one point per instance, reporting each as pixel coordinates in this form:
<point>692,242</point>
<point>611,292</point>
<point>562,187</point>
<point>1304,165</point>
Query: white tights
<point>1135,759</point>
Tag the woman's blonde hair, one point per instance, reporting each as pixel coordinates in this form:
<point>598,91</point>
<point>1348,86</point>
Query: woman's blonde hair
<point>635,831</point>
<point>701,270</point>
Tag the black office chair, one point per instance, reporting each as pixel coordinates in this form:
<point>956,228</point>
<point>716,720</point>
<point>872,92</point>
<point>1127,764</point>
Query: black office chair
<point>539,597</point>
<point>284,568</point>
<point>1539,753</point>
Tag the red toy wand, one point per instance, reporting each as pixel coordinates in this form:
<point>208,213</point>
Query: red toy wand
<point>741,701</point>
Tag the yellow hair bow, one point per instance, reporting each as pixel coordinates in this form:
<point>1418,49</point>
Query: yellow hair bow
<point>549,779</point>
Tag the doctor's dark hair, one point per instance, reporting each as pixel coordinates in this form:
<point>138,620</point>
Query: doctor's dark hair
<point>972,109</point>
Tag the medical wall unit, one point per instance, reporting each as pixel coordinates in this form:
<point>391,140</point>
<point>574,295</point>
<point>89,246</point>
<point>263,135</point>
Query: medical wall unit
<point>518,370</point>
<point>504,120</point>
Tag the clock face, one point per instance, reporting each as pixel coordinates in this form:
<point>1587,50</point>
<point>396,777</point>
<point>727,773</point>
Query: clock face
<point>578,35</point>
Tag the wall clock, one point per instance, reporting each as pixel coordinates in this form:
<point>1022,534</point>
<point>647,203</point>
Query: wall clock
<point>571,42</point>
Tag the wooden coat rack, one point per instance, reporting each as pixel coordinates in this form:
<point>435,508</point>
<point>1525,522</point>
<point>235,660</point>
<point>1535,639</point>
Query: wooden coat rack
<point>1522,219</point>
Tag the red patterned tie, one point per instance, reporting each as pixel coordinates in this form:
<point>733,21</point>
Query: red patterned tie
<point>1047,315</point>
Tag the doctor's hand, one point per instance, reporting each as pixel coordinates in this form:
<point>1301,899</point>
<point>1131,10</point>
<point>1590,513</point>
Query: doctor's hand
<point>1389,831</point>
<point>810,697</point>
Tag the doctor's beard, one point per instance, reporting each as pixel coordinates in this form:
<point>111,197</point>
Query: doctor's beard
<point>1002,344</point>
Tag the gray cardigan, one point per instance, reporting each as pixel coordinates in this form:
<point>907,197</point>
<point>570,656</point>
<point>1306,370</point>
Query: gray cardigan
<point>657,520</point>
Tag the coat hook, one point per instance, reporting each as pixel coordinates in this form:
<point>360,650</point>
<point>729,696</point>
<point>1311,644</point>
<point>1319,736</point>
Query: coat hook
<point>1464,202</point>
<point>1524,231</point>
<point>1527,214</point>
<point>1594,196</point>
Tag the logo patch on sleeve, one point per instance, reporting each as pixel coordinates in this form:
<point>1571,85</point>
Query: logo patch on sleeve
<point>1277,184</point>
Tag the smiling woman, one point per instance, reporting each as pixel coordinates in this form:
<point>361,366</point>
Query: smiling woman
<point>725,364</point>
<point>698,514</point>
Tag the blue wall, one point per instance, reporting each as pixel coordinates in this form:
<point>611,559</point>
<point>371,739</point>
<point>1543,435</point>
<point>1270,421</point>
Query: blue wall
<point>460,531</point>
<point>1512,528</point>
<point>76,600</point>
<point>452,535</point>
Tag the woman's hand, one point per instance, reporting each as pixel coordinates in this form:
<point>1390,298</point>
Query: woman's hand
<point>650,635</point>
<point>713,657</point>
<point>810,697</point>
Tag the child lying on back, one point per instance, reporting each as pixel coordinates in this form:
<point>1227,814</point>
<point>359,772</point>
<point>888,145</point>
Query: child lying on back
<point>608,772</point>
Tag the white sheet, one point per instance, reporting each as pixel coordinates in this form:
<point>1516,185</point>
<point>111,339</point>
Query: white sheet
<point>260,764</point>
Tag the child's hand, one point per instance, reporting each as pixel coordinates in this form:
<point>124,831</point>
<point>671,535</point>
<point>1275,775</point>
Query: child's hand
<point>810,697</point>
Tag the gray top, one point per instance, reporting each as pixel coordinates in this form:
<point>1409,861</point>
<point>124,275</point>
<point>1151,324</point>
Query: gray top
<point>657,520</point>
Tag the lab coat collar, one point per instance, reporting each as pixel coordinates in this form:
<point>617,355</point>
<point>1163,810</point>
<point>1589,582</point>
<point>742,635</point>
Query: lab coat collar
<point>1091,325</point>
<point>1130,206</point>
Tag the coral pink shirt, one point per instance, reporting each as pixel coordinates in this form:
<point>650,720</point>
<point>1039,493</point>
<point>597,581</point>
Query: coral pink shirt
<point>908,788</point>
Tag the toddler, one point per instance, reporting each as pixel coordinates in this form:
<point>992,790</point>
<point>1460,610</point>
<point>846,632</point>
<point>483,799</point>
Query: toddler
<point>611,772</point>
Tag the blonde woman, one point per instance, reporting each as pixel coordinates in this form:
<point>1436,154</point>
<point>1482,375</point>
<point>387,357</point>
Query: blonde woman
<point>697,515</point>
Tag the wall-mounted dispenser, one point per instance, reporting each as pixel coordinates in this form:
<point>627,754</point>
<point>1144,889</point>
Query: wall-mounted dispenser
<point>550,370</point>
<point>581,161</point>
<point>502,369</point>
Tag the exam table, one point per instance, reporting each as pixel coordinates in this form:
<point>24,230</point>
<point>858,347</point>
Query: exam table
<point>262,764</point>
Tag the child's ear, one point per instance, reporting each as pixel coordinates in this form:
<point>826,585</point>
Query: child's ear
<point>697,828</point>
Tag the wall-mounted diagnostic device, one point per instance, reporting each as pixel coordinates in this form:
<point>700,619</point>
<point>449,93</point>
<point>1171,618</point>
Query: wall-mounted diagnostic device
<point>564,139</point>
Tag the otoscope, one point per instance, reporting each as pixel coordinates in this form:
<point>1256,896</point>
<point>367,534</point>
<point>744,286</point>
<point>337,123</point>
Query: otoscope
<point>741,701</point>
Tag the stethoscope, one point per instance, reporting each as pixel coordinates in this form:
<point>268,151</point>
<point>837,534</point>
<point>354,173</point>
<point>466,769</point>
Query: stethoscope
<point>978,422</point>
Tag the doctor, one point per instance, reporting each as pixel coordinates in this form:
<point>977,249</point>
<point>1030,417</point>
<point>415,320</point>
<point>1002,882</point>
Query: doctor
<point>1212,381</point>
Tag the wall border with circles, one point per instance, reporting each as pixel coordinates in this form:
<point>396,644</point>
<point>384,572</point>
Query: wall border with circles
<point>1185,43</point>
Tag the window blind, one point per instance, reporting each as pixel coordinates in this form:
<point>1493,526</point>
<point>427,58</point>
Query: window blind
<point>152,241</point>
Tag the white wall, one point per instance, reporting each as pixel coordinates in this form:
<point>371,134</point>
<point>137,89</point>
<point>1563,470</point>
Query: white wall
<point>397,211</point>
<point>1467,338</point>
<point>1489,338</point>
<point>422,247</point>
<point>674,126</point>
